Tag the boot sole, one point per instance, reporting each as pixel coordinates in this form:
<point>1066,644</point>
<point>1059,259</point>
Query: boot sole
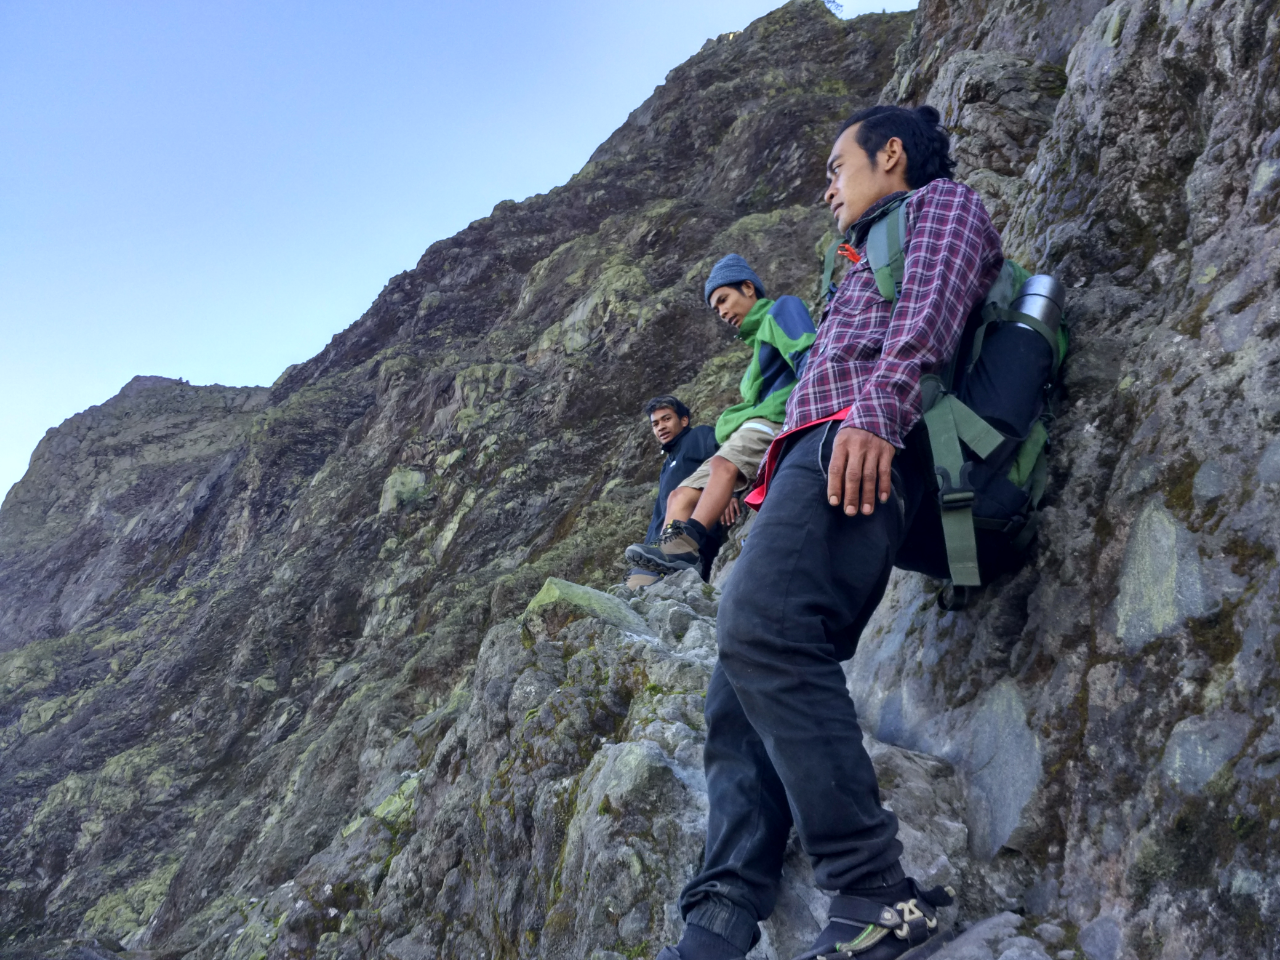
<point>919,952</point>
<point>654,565</point>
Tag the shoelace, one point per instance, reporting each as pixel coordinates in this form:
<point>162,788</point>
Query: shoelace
<point>671,533</point>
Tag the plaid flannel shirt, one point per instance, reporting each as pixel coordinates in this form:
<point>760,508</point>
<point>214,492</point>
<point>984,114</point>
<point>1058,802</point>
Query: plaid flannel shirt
<point>870,355</point>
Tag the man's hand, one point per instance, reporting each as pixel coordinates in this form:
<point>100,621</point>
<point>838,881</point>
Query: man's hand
<point>730,513</point>
<point>860,465</point>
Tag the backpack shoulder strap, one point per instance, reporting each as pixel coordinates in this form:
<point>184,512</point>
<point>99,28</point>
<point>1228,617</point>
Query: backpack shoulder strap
<point>885,253</point>
<point>825,293</point>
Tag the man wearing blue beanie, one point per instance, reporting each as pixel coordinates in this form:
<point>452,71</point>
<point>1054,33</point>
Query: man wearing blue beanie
<point>731,270</point>
<point>779,333</point>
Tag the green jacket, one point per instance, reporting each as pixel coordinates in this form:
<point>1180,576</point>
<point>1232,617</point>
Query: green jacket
<point>780,333</point>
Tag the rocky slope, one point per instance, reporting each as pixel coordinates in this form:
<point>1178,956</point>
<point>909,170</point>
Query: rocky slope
<point>272,683</point>
<point>221,610</point>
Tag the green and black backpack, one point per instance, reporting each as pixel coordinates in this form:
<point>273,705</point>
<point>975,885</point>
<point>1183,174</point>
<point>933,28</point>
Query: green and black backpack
<point>986,416</point>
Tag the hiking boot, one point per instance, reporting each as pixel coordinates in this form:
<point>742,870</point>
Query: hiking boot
<point>639,579</point>
<point>677,549</point>
<point>862,929</point>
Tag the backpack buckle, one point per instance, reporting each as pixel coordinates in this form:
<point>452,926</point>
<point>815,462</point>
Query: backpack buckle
<point>953,597</point>
<point>954,496</point>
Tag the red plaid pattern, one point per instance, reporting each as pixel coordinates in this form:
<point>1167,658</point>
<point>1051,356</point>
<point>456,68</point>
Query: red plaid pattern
<point>870,356</point>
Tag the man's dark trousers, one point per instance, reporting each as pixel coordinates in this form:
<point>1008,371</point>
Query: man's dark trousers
<point>783,742</point>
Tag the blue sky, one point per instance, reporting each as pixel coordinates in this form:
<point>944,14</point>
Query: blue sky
<point>211,191</point>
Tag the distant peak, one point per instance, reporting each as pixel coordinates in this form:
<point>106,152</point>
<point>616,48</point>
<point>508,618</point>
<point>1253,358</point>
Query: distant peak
<point>141,384</point>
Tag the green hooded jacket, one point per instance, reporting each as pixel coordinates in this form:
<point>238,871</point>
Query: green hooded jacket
<point>780,333</point>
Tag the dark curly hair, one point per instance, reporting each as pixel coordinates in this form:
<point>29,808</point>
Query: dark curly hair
<point>667,402</point>
<point>927,144</point>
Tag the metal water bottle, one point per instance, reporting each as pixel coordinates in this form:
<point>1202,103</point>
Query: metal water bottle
<point>1005,385</point>
<point>1041,297</point>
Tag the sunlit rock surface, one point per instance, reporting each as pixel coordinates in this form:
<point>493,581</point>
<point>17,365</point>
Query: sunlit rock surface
<point>326,669</point>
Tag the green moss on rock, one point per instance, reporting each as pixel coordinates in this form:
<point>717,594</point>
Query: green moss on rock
<point>120,913</point>
<point>563,602</point>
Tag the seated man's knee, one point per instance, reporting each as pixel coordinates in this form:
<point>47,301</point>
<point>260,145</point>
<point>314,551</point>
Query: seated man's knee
<point>721,466</point>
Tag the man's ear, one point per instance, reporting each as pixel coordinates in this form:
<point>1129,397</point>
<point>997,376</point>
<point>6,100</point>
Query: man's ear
<point>684,422</point>
<point>893,155</point>
<point>748,289</point>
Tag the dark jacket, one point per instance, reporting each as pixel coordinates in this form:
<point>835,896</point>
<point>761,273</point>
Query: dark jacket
<point>685,454</point>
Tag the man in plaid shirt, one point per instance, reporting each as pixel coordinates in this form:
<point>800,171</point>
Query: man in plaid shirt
<point>843,481</point>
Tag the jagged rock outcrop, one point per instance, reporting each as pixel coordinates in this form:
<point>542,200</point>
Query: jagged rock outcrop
<point>282,673</point>
<point>558,805</point>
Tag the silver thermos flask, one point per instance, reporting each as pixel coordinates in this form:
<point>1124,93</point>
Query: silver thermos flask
<point>1041,297</point>
<point>1005,384</point>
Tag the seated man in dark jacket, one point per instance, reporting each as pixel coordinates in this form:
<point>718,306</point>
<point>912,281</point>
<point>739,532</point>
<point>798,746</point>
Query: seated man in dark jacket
<point>686,448</point>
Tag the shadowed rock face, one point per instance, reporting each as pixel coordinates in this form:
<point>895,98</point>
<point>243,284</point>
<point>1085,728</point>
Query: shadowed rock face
<point>1132,665</point>
<point>105,490</point>
<point>270,683</point>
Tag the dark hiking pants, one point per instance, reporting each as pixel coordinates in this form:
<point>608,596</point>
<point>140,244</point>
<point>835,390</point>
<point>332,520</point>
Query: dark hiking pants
<point>783,743</point>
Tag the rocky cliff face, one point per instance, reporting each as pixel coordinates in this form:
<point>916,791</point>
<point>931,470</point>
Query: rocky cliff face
<point>280,676</point>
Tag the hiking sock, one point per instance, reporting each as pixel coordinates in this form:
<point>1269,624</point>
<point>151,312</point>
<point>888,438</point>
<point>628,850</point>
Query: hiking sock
<point>699,943</point>
<point>882,887</point>
<point>697,531</point>
<point>889,893</point>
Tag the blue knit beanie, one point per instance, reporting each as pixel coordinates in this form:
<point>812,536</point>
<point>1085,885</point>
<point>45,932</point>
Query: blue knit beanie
<point>731,269</point>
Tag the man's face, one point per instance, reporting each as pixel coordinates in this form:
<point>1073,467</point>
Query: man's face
<point>733,304</point>
<point>666,425</point>
<point>855,181</point>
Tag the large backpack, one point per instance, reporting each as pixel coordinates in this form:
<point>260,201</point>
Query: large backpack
<point>986,419</point>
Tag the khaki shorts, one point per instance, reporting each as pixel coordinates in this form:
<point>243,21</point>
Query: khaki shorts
<point>745,449</point>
